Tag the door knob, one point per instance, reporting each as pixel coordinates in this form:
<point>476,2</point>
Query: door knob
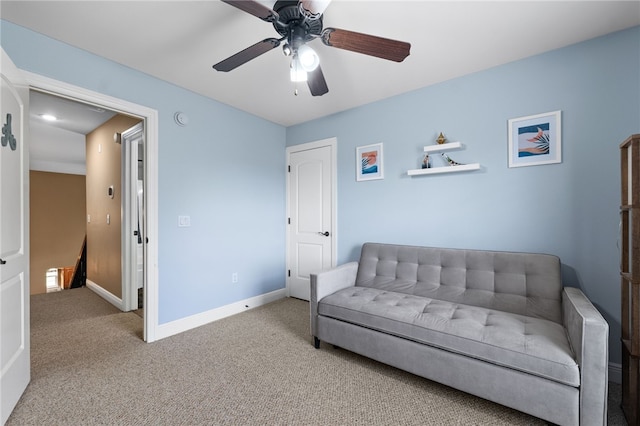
<point>325,233</point>
<point>2,262</point>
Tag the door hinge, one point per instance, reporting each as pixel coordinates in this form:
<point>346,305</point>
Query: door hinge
<point>289,221</point>
<point>289,169</point>
<point>289,273</point>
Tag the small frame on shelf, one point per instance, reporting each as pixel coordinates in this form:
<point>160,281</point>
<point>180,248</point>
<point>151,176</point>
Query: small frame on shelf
<point>369,162</point>
<point>535,140</point>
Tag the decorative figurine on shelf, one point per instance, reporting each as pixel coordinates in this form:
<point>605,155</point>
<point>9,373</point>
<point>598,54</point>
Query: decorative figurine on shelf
<point>450,161</point>
<point>441,139</point>
<point>425,162</point>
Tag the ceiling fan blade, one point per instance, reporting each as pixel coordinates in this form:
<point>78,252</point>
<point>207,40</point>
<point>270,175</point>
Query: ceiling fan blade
<point>313,9</point>
<point>254,8</point>
<point>247,54</point>
<point>380,47</point>
<point>316,82</point>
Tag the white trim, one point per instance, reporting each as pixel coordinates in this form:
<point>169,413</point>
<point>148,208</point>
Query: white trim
<point>58,167</point>
<point>188,323</point>
<point>150,117</point>
<point>615,373</point>
<point>106,295</point>
<point>333,143</point>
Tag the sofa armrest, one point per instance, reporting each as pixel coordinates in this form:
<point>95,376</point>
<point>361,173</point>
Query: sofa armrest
<point>327,282</point>
<point>589,337</point>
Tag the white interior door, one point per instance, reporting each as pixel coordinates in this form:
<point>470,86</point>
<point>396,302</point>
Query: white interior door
<point>311,205</point>
<point>14,238</point>
<point>133,225</point>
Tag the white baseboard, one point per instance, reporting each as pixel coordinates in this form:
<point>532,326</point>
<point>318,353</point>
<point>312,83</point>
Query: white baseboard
<point>615,373</point>
<point>109,297</point>
<point>188,323</point>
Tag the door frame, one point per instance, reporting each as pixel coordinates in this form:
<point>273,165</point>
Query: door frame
<point>333,143</point>
<point>150,118</point>
<point>129,193</point>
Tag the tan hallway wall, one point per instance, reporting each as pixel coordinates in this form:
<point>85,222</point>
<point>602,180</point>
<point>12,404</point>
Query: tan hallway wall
<point>57,223</point>
<point>104,169</point>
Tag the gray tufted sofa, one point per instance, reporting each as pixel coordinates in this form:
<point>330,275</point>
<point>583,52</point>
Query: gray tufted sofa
<point>498,325</point>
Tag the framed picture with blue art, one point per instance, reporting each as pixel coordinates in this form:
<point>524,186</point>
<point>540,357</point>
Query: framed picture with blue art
<point>535,140</point>
<point>369,162</point>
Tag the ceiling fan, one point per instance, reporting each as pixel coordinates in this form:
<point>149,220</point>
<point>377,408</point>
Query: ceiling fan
<point>299,22</point>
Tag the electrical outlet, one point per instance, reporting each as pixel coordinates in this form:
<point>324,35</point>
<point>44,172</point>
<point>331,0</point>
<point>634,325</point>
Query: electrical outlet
<point>234,277</point>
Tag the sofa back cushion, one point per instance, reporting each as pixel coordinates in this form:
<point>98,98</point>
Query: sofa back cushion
<point>521,283</point>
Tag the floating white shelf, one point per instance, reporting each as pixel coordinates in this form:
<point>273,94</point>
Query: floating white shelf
<point>444,169</point>
<point>443,147</point>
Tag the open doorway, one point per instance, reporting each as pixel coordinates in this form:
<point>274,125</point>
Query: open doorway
<point>58,129</point>
<point>80,188</point>
<point>149,118</point>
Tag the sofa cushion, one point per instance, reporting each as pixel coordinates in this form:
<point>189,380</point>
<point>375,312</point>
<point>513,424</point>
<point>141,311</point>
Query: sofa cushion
<point>521,283</point>
<point>532,345</point>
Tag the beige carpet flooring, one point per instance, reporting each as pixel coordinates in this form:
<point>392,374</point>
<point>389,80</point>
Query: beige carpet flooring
<point>90,367</point>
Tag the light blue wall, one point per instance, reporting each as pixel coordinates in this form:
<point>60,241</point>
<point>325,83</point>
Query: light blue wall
<point>207,170</point>
<point>225,169</point>
<point>568,209</point>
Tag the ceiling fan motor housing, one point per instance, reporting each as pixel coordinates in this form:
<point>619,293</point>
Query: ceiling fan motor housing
<point>294,26</point>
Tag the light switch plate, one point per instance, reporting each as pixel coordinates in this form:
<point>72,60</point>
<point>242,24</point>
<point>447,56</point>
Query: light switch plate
<point>184,221</point>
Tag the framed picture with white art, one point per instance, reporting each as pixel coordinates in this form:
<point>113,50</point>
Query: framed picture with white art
<point>369,162</point>
<point>535,140</point>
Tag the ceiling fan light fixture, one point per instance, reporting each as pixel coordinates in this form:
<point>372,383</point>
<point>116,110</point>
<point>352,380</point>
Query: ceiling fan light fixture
<point>298,74</point>
<point>313,9</point>
<point>299,22</point>
<point>308,58</point>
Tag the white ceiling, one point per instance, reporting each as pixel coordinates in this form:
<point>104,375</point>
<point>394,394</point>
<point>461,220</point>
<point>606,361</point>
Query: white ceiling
<point>71,115</point>
<point>59,146</point>
<point>179,41</point>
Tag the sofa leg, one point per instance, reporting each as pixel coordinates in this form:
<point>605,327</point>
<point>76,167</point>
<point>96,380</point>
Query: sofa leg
<point>316,342</point>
